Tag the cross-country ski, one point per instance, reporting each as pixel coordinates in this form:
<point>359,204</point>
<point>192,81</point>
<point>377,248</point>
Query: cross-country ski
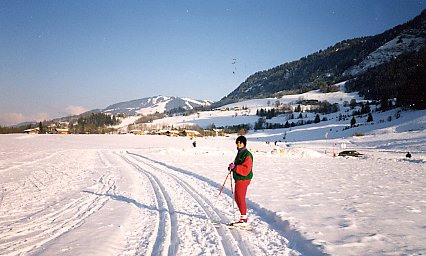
<point>231,225</point>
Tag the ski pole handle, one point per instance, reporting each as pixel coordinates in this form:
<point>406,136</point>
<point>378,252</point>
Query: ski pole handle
<point>231,166</point>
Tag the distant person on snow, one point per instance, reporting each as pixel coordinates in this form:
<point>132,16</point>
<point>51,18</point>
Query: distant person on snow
<point>242,172</point>
<point>408,155</point>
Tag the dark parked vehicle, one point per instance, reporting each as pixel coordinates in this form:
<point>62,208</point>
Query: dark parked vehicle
<point>350,153</point>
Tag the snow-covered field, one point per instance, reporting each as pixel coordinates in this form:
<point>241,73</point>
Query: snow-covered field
<point>152,195</point>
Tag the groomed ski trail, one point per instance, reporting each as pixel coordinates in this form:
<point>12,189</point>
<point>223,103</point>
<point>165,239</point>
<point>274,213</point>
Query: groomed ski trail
<point>261,240</point>
<point>21,235</point>
<point>231,241</point>
<point>124,203</point>
<point>166,239</point>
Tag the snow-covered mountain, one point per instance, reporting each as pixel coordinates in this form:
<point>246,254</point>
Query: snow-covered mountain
<point>343,61</point>
<point>336,124</point>
<point>408,41</point>
<point>151,105</point>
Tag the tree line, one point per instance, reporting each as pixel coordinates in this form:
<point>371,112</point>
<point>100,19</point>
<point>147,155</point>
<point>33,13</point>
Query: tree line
<point>403,78</point>
<point>94,123</point>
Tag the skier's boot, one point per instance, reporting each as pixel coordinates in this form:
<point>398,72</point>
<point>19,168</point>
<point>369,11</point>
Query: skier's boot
<point>242,222</point>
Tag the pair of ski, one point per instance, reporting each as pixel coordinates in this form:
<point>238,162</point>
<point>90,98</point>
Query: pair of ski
<point>232,226</point>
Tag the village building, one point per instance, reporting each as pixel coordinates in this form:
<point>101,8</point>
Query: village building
<point>191,133</point>
<point>137,132</point>
<point>62,131</point>
<point>172,133</point>
<point>32,131</point>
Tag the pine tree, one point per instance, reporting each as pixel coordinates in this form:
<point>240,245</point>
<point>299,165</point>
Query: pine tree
<point>298,109</point>
<point>353,103</point>
<point>286,125</point>
<point>40,127</point>
<point>370,118</point>
<point>317,119</point>
<point>353,121</point>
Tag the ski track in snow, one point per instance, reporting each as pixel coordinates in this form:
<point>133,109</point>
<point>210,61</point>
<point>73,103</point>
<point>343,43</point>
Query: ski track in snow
<point>38,156</point>
<point>167,222</point>
<point>175,219</point>
<point>22,234</point>
<point>268,234</point>
<point>208,211</point>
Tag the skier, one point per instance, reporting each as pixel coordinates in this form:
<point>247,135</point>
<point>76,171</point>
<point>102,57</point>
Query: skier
<point>242,172</point>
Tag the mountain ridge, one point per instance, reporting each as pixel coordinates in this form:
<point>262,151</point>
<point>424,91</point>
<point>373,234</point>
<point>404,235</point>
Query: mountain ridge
<point>335,64</point>
<point>150,105</point>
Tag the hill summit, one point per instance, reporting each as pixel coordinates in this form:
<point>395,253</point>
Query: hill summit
<point>150,105</point>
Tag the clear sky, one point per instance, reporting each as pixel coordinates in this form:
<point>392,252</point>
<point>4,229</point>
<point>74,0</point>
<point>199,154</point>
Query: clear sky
<point>63,57</point>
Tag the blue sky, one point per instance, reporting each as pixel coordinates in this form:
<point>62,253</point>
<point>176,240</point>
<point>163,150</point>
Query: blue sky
<point>63,57</point>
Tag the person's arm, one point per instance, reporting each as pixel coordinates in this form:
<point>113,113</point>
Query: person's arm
<point>245,168</point>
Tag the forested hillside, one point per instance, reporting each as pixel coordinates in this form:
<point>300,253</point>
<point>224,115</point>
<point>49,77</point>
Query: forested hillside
<point>328,66</point>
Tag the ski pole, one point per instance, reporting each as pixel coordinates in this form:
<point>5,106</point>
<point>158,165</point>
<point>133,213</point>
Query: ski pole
<point>233,199</point>
<point>221,189</point>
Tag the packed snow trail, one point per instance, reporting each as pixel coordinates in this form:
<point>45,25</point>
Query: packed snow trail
<point>206,206</point>
<point>42,220</point>
<point>267,236</point>
<point>271,235</point>
<point>119,203</point>
<point>167,228</point>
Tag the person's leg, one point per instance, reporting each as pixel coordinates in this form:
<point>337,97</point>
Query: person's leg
<point>237,200</point>
<point>240,196</point>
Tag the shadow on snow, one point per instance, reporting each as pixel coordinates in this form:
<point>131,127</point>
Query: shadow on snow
<point>296,240</point>
<point>142,206</point>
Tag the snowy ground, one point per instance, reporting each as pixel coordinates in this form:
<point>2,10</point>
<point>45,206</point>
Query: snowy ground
<point>152,195</point>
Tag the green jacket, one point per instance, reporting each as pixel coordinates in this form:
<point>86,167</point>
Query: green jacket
<point>239,160</point>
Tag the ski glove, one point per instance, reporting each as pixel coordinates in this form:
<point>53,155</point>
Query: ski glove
<point>231,167</point>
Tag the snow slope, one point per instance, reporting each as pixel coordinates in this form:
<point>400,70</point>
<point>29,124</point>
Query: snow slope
<point>151,105</point>
<point>334,128</point>
<point>145,195</point>
<point>409,41</point>
<point>228,118</point>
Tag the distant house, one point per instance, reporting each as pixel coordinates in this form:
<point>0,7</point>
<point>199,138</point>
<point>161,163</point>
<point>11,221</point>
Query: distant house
<point>61,131</point>
<point>32,131</point>
<point>173,133</point>
<point>219,132</point>
<point>137,132</point>
<point>191,133</point>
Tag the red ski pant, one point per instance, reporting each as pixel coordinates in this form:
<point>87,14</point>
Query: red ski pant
<point>240,195</point>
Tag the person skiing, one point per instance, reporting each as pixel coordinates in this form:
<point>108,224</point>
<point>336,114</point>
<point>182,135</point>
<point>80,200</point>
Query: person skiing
<point>242,173</point>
